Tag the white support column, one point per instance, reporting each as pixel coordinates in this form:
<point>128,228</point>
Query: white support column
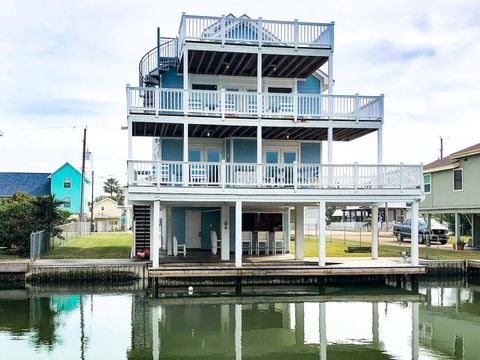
<point>238,234</point>
<point>185,170</point>
<point>330,145</point>
<point>225,235</point>
<point>185,81</point>
<point>415,330</point>
<point>380,146</point>
<point>155,333</point>
<point>130,138</point>
<point>457,229</point>
<point>330,74</point>
<point>321,234</point>
<point>259,84</point>
<point>259,155</point>
<point>299,232</point>
<point>375,232</point>
<point>414,253</point>
<point>155,236</point>
<point>322,327</point>
<point>169,239</point>
<point>238,331</point>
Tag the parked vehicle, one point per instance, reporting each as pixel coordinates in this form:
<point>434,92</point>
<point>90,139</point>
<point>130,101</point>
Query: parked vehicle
<point>437,233</point>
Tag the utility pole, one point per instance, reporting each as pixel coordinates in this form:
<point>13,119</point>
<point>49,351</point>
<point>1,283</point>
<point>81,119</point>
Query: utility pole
<point>441,147</point>
<point>82,192</point>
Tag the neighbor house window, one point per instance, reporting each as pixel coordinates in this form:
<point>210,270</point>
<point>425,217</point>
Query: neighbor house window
<point>458,180</point>
<point>67,183</point>
<point>113,222</point>
<point>67,202</point>
<point>427,183</point>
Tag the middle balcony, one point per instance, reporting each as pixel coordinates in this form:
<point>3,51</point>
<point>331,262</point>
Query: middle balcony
<point>237,104</point>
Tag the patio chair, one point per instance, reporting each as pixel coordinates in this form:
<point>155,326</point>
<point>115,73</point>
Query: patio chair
<point>279,242</point>
<point>247,241</point>
<point>263,238</point>
<point>178,248</point>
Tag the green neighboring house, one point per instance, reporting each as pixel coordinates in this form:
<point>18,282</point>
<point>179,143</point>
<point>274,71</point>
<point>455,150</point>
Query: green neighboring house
<point>452,185</point>
<point>66,186</point>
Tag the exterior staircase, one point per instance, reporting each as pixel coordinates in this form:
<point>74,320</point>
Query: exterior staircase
<point>157,61</point>
<point>141,217</point>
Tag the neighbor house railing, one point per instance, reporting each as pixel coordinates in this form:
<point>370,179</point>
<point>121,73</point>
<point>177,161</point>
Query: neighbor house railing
<point>150,100</point>
<point>252,175</point>
<point>259,32</point>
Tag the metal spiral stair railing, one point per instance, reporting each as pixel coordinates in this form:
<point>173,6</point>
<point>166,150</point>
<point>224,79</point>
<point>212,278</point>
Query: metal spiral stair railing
<point>154,62</point>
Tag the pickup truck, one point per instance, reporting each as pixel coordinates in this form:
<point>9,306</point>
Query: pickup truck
<point>438,232</point>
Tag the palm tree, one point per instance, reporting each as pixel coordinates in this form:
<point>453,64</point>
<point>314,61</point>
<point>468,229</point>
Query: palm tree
<point>111,186</point>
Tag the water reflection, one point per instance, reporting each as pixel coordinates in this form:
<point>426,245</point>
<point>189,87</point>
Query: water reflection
<point>442,322</point>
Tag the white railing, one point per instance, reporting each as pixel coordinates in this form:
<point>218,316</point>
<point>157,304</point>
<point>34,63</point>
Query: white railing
<point>245,104</point>
<point>258,32</point>
<point>166,56</point>
<point>222,174</point>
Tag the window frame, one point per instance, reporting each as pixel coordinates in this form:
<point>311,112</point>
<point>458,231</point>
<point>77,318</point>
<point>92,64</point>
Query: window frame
<point>64,180</point>
<point>69,202</point>
<point>453,179</point>
<point>429,183</point>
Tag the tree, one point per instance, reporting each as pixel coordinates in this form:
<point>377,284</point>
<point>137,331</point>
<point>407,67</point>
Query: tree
<point>111,186</point>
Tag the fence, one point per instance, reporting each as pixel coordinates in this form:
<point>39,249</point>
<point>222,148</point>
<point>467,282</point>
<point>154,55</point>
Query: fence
<point>40,244</point>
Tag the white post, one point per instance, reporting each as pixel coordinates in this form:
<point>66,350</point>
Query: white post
<point>155,333</point>
<point>185,170</point>
<point>130,138</point>
<point>225,235</point>
<point>238,234</point>
<point>330,75</point>
<point>299,232</point>
<point>259,155</point>
<point>457,229</point>
<point>155,236</point>
<point>330,145</point>
<point>259,84</point>
<point>321,234</point>
<point>185,82</point>
<point>380,146</point>
<point>415,330</point>
<point>238,331</point>
<point>322,326</point>
<point>169,239</point>
<point>414,253</point>
<point>375,232</point>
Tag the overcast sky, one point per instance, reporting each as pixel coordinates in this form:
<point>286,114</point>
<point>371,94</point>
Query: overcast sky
<point>64,65</point>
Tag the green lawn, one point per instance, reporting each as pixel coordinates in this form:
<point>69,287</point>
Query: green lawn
<point>336,248</point>
<point>94,246</point>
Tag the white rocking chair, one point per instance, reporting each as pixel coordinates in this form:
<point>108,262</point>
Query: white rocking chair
<point>263,238</point>
<point>279,242</point>
<point>179,248</point>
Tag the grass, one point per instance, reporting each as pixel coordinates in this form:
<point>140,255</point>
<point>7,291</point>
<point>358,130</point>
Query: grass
<point>94,246</point>
<point>336,248</point>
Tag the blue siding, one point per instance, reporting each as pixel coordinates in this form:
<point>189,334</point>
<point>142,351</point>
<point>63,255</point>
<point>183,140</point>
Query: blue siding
<point>310,153</point>
<point>172,149</point>
<point>244,151</point>
<point>178,224</point>
<point>171,79</point>
<point>310,85</point>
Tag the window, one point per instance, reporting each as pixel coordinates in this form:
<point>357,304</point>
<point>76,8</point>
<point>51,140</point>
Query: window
<point>67,183</point>
<point>67,202</point>
<point>427,183</point>
<point>458,180</point>
<point>113,222</point>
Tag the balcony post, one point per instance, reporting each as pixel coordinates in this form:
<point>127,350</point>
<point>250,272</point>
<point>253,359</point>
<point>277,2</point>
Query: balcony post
<point>357,107</point>
<point>223,174</point>
<point>260,32</point>
<point>321,234</point>
<point>130,136</point>
<point>185,172</point>
<point>355,175</point>
<point>157,99</point>
<point>381,106</point>
<point>259,84</point>
<point>129,101</point>
<point>222,29</point>
<point>225,232</point>
<point>259,156</point>
<point>295,174</point>
<point>401,176</point>
<point>330,84</point>
<point>158,173</point>
<point>155,237</point>
<point>330,156</point>
<point>185,82</point>
<point>223,98</point>
<point>295,33</point>
<point>295,101</point>
<point>414,254</point>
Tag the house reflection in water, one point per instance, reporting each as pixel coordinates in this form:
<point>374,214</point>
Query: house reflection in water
<point>286,330</point>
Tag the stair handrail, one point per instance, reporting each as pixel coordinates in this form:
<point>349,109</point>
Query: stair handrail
<point>149,61</point>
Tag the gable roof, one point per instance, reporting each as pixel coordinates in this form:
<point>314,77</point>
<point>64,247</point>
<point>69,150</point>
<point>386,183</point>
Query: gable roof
<point>66,164</point>
<point>30,183</point>
<point>451,161</point>
<point>104,200</point>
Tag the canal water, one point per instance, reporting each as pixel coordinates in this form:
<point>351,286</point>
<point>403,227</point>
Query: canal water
<point>439,321</point>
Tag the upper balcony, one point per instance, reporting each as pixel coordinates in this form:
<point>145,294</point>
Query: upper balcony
<point>257,32</point>
<point>237,104</point>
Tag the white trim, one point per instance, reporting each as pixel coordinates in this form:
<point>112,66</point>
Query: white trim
<point>441,168</point>
<point>453,179</point>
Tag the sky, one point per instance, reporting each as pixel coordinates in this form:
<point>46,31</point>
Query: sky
<point>64,65</point>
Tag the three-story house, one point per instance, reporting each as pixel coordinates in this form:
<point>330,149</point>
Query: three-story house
<point>240,116</point>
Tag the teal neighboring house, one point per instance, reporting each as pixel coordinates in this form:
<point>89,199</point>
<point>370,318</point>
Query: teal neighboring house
<point>66,186</point>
